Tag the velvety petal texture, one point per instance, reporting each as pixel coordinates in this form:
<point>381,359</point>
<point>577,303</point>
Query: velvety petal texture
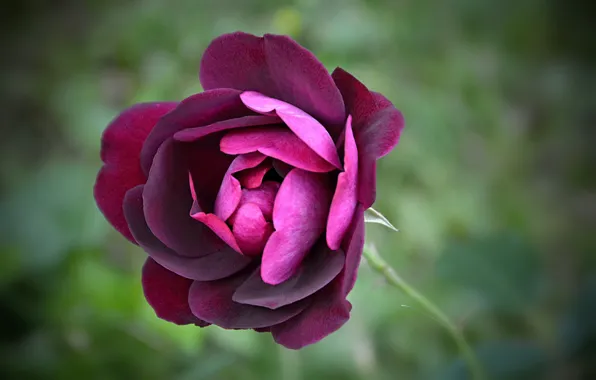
<point>121,145</point>
<point>299,217</point>
<point>249,198</point>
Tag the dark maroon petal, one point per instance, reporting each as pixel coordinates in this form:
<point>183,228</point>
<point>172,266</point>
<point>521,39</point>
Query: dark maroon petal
<point>120,149</point>
<point>304,82</point>
<point>275,66</point>
<point>307,128</point>
<point>251,229</point>
<point>206,268</point>
<point>253,178</point>
<point>167,293</point>
<point>211,301</point>
<point>276,142</point>
<point>344,200</point>
<point>207,166</point>
<point>192,134</point>
<point>167,201</point>
<point>328,311</point>
<point>353,245</point>
<point>230,191</point>
<point>219,227</point>
<point>377,127</point>
<point>299,218</point>
<point>195,111</point>
<point>318,269</point>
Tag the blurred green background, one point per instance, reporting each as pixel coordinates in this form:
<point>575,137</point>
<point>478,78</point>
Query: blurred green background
<point>490,187</point>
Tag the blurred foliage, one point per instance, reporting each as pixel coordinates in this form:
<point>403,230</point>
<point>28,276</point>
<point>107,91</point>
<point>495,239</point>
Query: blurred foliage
<point>490,187</point>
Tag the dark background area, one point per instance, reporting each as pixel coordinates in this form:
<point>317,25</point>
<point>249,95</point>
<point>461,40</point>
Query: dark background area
<point>492,187</point>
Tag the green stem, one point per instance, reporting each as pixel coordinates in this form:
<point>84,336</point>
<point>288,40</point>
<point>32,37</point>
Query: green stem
<point>377,263</point>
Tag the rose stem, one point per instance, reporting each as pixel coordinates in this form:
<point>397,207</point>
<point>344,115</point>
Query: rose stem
<point>381,266</point>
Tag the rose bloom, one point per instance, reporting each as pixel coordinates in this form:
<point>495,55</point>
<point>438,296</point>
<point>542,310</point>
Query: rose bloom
<point>249,197</point>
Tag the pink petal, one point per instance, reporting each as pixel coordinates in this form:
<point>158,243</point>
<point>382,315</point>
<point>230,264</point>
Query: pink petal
<point>211,301</point>
<point>344,199</point>
<point>328,311</point>
<point>353,245</point>
<point>195,111</point>
<point>263,197</point>
<point>319,268</point>
<point>299,217</point>
<point>220,228</point>
<point>253,178</point>
<point>120,148</point>
<point>302,124</point>
<point>167,200</point>
<point>192,134</point>
<point>167,293</point>
<point>276,66</point>
<point>377,128</point>
<point>214,266</point>
<point>230,191</point>
<point>251,229</point>
<point>276,142</point>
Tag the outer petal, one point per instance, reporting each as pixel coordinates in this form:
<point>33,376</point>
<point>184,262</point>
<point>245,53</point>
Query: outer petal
<point>206,268</point>
<point>319,268</point>
<point>167,201</point>
<point>167,293</point>
<point>344,200</point>
<point>276,142</point>
<point>275,66</point>
<point>120,149</point>
<point>212,302</point>
<point>230,191</point>
<point>299,217</point>
<point>353,245</point>
<point>377,127</point>
<point>302,124</point>
<point>327,312</point>
<point>195,111</point>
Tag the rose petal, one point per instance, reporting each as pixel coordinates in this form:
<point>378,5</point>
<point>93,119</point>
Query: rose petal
<point>195,111</point>
<point>276,66</point>
<point>211,301</point>
<point>167,201</point>
<point>344,200</point>
<point>207,167</point>
<point>120,148</point>
<point>167,293</point>
<point>302,124</point>
<point>219,227</point>
<point>230,191</point>
<point>353,245</point>
<point>377,127</point>
<point>206,268</point>
<point>299,217</point>
<point>276,142</point>
<point>192,134</point>
<point>282,168</point>
<point>318,269</point>
<point>328,311</point>
<point>253,178</point>
<point>251,229</point>
<point>263,196</point>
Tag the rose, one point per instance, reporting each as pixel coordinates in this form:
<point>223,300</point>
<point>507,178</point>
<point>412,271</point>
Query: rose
<point>249,197</point>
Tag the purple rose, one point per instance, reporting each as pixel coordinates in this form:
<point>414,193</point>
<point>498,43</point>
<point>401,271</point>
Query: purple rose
<point>249,197</point>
